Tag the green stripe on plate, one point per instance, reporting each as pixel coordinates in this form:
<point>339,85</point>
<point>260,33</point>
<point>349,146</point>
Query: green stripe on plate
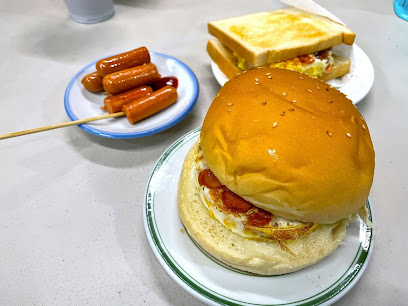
<point>336,288</point>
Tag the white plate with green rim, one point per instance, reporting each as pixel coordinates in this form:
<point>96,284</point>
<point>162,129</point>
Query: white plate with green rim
<point>217,284</point>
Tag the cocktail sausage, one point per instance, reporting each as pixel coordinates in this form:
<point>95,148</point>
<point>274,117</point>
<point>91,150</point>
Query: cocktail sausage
<point>127,79</point>
<point>115,103</point>
<point>92,82</point>
<point>123,61</point>
<point>151,104</point>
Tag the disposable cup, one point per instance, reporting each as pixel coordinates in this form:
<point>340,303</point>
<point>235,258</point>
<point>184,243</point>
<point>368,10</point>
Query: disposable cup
<point>90,11</point>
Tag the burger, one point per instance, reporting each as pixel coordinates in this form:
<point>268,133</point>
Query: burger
<point>283,164</point>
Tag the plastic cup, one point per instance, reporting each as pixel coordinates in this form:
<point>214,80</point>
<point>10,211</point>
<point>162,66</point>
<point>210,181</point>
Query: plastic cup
<point>90,11</point>
<point>401,8</point>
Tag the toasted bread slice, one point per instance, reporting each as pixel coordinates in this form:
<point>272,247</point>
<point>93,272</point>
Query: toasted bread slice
<point>271,37</point>
<point>226,61</point>
<point>223,57</point>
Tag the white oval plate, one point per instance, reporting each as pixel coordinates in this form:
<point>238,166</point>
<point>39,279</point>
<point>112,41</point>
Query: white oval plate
<point>355,85</point>
<point>80,103</point>
<point>215,284</point>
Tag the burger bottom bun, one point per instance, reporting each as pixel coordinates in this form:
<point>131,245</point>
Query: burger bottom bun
<point>255,256</point>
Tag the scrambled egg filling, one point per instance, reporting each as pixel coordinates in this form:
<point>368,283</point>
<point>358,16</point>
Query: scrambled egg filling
<point>310,64</point>
<point>276,228</point>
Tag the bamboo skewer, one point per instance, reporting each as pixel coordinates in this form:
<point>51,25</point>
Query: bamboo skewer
<point>60,125</point>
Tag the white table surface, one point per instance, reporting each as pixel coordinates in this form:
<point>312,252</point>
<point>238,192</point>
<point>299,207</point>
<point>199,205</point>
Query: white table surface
<point>71,230</point>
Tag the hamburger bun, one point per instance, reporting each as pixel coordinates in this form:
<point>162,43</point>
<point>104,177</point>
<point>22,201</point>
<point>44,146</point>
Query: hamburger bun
<point>289,144</point>
<point>296,152</point>
<point>255,256</point>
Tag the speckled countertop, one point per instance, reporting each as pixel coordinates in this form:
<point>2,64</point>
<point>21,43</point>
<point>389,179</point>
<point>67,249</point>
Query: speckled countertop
<point>71,226</point>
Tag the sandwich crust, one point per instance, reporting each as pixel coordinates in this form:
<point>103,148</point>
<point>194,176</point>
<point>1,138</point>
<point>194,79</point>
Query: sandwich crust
<point>341,67</point>
<point>271,37</point>
<point>256,256</point>
<point>223,57</point>
<point>289,144</point>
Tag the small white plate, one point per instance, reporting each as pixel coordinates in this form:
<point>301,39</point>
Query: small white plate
<point>80,103</point>
<point>215,284</point>
<point>355,85</point>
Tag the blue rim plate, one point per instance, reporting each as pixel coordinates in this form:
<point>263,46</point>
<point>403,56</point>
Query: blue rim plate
<point>213,283</point>
<point>80,103</point>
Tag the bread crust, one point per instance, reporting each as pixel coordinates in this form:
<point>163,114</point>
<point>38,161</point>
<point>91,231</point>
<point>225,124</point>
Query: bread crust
<point>272,37</point>
<point>223,57</point>
<point>289,144</point>
<point>340,67</point>
<point>255,256</point>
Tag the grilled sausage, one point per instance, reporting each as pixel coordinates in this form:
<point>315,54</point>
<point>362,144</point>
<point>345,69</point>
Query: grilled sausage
<point>151,104</point>
<point>127,79</point>
<point>92,82</point>
<point>115,103</point>
<point>123,61</point>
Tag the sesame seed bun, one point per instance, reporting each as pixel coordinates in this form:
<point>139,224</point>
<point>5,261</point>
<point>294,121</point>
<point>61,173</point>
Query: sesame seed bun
<point>289,144</point>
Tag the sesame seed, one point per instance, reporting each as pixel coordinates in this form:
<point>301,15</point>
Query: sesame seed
<point>229,104</point>
<point>256,79</point>
<point>263,102</point>
<point>308,90</point>
<point>331,101</point>
<point>272,152</point>
<point>275,124</point>
<point>330,134</point>
<point>348,135</point>
<point>362,118</point>
<point>300,78</point>
<point>269,77</point>
<point>256,83</point>
<point>316,83</point>
<point>294,101</point>
<point>363,126</point>
<point>327,89</point>
<point>284,94</point>
<point>291,109</point>
<point>282,113</point>
<point>268,73</point>
<point>229,110</point>
<point>318,87</point>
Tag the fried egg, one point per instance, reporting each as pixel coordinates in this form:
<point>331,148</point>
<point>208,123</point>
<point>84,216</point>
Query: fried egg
<point>315,68</point>
<point>277,228</point>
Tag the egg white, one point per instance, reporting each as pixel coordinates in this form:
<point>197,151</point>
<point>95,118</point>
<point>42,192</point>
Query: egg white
<point>235,222</point>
